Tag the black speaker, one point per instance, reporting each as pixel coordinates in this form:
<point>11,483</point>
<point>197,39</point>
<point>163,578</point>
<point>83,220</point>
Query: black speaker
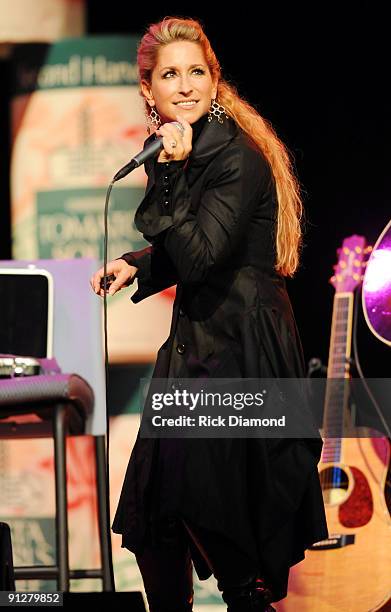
<point>132,601</point>
<point>26,322</point>
<point>7,579</point>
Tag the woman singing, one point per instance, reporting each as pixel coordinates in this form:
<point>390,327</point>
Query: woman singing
<point>222,214</point>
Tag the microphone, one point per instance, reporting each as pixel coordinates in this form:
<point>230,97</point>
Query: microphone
<point>152,149</point>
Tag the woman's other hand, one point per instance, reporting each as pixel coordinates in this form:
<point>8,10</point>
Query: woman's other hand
<point>124,276</point>
<point>177,145</point>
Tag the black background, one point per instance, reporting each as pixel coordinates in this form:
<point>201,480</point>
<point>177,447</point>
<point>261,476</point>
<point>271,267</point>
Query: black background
<point>322,81</point>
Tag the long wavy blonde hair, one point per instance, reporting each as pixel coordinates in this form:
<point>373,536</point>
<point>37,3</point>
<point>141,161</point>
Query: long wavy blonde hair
<point>258,129</point>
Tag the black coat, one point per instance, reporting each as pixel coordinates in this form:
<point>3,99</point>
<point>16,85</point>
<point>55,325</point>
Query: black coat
<point>211,222</point>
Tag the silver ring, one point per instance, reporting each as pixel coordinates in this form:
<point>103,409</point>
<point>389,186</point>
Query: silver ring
<point>179,127</point>
<point>174,144</point>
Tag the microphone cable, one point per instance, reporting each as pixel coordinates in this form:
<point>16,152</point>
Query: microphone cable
<point>106,353</point>
<point>151,150</point>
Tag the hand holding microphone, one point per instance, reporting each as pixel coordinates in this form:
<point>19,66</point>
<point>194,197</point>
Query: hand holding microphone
<point>173,144</point>
<point>177,142</point>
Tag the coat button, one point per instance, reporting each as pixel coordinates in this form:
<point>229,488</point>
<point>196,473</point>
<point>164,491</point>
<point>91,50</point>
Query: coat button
<point>166,180</point>
<point>181,312</point>
<point>166,191</point>
<point>180,349</point>
<point>166,202</point>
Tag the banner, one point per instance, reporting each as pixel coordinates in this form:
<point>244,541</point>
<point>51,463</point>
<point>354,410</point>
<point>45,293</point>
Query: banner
<point>77,118</point>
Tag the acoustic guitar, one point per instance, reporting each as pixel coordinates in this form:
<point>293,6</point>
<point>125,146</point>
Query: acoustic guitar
<point>351,570</point>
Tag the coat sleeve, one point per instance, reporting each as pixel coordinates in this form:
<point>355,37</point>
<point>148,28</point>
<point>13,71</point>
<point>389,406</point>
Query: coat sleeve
<point>198,242</point>
<point>155,273</point>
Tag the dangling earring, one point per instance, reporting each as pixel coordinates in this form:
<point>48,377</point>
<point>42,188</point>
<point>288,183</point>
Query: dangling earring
<point>218,111</point>
<point>153,119</point>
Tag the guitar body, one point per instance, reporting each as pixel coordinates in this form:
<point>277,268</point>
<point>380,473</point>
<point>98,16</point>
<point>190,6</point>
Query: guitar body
<point>355,575</point>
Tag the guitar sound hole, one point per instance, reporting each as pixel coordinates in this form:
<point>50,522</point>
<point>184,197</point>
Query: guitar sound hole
<point>334,482</point>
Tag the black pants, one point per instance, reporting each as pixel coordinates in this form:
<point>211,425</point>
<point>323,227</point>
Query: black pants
<point>167,569</point>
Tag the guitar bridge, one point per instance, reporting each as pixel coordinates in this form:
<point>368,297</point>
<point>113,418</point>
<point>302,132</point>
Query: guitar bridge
<point>338,540</point>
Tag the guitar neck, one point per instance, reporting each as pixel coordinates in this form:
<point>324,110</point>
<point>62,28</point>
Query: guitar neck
<point>338,370</point>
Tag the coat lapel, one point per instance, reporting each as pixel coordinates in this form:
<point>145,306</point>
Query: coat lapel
<point>213,138</point>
